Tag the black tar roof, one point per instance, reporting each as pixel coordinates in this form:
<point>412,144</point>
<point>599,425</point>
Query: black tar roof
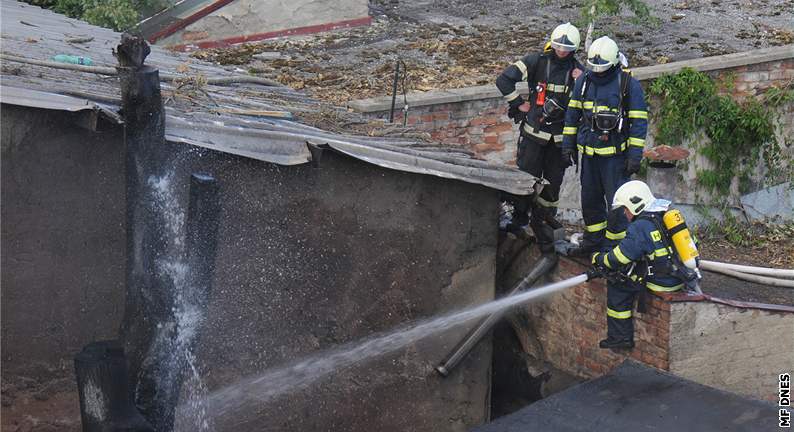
<point>636,398</point>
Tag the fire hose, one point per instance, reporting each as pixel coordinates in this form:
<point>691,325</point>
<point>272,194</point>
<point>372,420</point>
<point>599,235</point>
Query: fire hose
<point>751,274</point>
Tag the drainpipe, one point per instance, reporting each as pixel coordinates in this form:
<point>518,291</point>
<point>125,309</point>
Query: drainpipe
<point>149,294</point>
<point>105,398</point>
<point>542,267</point>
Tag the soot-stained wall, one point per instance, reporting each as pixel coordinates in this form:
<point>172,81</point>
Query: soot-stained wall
<point>308,259</point>
<point>62,240</point>
<point>313,258</point>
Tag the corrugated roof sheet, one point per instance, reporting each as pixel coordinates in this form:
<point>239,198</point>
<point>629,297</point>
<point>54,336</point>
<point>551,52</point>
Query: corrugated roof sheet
<point>211,115</point>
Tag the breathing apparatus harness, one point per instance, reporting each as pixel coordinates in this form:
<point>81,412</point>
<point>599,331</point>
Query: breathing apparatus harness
<point>552,112</point>
<point>671,264</point>
<point>607,121</point>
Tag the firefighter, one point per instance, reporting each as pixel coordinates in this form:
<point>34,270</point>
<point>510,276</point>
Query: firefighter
<point>606,121</point>
<point>643,259</point>
<point>550,75</point>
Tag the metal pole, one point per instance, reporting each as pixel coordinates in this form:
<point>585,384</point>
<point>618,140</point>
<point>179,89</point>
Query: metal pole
<point>542,267</point>
<point>394,91</point>
<point>105,397</point>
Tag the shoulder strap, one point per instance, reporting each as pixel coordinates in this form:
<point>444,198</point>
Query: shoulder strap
<point>624,84</point>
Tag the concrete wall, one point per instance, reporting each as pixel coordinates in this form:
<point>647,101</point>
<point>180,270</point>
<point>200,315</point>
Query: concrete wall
<point>308,259</point>
<point>332,255</point>
<point>475,118</point>
<point>63,245</point>
<point>739,350</point>
<point>257,17</point>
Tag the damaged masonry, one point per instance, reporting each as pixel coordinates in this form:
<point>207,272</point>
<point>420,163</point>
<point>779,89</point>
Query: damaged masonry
<point>189,248</point>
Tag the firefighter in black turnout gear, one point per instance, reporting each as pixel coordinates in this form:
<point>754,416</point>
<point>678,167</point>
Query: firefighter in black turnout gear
<point>606,121</point>
<point>651,256</point>
<point>550,75</point>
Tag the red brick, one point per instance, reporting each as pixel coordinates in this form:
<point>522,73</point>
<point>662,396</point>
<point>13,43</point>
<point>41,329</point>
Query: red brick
<point>501,127</point>
<point>485,121</point>
<point>441,116</point>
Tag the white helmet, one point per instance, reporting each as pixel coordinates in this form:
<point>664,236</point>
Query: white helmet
<point>602,55</point>
<point>634,195</point>
<point>565,37</point>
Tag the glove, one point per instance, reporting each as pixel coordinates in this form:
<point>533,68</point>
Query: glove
<point>569,157</point>
<point>632,166</point>
<point>514,113</point>
<point>598,268</point>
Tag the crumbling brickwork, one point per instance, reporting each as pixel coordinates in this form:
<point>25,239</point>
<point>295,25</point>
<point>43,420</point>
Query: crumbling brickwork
<point>570,324</point>
<point>475,118</point>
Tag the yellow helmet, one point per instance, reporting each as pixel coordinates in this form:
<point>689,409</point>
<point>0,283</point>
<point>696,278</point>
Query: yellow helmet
<point>565,37</point>
<point>634,195</point>
<point>602,55</point>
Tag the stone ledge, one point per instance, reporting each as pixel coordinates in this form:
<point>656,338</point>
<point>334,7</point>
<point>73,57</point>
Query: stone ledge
<point>436,97</point>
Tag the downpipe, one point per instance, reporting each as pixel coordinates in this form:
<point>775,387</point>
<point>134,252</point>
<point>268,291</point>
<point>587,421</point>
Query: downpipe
<point>543,266</point>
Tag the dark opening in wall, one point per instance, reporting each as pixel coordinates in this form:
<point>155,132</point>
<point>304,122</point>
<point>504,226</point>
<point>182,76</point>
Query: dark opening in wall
<point>513,387</point>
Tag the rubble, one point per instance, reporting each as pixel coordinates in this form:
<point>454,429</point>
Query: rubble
<point>464,43</point>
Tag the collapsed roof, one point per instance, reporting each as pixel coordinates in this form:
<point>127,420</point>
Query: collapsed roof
<point>208,106</point>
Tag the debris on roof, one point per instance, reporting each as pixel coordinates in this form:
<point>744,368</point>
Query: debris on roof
<point>211,107</point>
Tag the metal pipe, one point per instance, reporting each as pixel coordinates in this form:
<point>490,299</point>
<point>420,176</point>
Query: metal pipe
<point>749,277</point>
<point>763,271</point>
<point>394,91</point>
<point>542,267</point>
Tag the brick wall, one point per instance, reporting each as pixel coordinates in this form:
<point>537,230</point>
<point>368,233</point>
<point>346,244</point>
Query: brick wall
<point>569,326</point>
<point>475,117</point>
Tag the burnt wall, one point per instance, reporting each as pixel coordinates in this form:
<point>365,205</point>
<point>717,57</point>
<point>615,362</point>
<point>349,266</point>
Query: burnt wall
<point>308,259</point>
<point>63,239</point>
<point>313,258</point>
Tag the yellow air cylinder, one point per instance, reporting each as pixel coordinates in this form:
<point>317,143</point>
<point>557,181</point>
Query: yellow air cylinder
<point>681,237</point>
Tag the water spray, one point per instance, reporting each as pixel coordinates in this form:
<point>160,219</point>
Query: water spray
<point>253,391</point>
<point>542,267</point>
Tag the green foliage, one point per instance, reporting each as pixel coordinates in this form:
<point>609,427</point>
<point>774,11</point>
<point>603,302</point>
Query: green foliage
<point>739,133</point>
<point>642,13</point>
<point>120,15</point>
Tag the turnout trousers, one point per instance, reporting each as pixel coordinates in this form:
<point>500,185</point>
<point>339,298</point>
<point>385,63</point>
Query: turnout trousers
<point>542,159</point>
<point>601,176</point>
<point>620,305</point>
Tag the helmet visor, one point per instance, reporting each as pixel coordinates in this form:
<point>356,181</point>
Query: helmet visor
<point>562,43</point>
<point>598,64</point>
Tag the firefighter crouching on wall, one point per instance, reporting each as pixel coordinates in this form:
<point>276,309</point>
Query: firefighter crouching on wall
<point>657,253</point>
<point>606,121</point>
<point>550,75</point>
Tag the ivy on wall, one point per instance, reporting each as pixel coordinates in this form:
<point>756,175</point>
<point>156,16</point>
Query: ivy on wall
<point>741,134</point>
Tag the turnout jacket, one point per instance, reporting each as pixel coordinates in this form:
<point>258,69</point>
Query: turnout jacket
<point>643,244</point>
<point>603,92</point>
<point>538,68</point>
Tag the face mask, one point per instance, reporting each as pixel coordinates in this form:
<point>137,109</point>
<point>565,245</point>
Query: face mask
<point>552,111</point>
